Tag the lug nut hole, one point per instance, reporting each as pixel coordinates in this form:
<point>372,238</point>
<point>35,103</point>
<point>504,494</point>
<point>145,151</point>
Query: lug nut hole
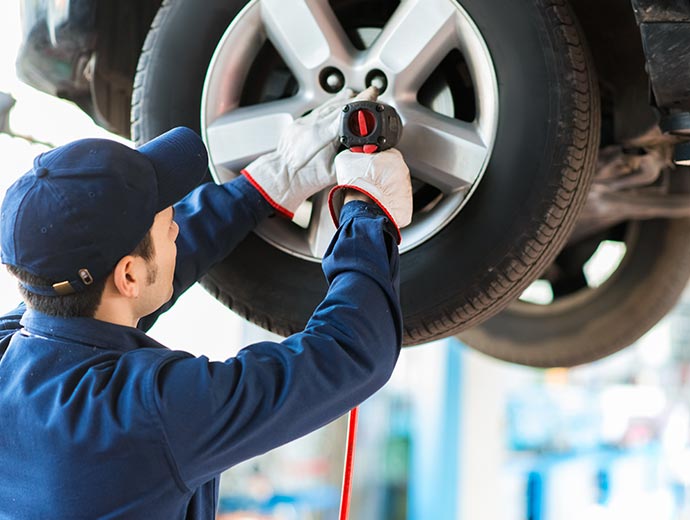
<point>331,80</point>
<point>378,79</point>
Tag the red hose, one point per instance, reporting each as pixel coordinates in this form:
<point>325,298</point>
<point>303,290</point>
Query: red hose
<point>349,463</point>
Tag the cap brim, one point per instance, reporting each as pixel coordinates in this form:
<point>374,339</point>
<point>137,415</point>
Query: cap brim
<point>180,159</point>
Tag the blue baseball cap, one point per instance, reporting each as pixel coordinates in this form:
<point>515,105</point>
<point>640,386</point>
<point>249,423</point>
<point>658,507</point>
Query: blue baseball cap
<point>85,205</point>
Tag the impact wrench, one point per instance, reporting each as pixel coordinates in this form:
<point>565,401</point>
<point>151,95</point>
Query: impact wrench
<point>365,127</point>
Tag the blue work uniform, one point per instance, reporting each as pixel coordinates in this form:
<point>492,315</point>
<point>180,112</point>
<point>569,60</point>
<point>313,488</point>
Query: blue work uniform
<point>101,421</point>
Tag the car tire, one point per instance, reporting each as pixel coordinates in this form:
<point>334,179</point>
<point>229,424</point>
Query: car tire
<point>509,230</point>
<point>592,323</point>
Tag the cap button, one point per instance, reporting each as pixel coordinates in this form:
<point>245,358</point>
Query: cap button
<point>41,172</point>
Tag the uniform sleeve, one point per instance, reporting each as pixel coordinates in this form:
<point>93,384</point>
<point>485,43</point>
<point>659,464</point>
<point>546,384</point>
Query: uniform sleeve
<point>216,414</point>
<point>213,220</point>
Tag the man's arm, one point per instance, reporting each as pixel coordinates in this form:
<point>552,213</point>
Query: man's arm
<point>213,220</point>
<point>277,181</point>
<point>218,414</point>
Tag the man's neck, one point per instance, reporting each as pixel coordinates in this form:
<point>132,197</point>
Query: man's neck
<point>117,314</point>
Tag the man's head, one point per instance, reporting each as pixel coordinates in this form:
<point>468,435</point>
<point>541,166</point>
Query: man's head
<point>84,208</point>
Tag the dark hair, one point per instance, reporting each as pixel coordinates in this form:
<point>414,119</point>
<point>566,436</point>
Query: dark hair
<point>78,305</point>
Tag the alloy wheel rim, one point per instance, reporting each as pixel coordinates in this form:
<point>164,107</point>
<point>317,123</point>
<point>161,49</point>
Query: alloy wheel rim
<point>445,153</point>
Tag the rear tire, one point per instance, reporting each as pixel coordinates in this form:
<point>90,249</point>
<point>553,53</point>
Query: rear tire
<point>594,323</point>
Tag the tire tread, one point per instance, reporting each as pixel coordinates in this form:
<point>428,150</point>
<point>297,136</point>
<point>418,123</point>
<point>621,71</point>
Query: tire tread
<point>534,254</point>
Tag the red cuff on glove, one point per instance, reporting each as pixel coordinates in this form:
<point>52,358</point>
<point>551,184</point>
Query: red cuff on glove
<point>280,209</point>
<point>335,216</point>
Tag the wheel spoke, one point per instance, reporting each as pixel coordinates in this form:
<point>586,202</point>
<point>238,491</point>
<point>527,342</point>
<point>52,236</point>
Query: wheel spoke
<point>321,228</point>
<point>415,40</point>
<point>306,33</point>
<point>238,137</point>
<point>444,152</point>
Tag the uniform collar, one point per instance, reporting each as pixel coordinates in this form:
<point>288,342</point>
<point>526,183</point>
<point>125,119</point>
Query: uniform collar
<point>87,331</point>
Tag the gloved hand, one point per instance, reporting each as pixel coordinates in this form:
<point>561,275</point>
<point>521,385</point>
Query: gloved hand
<point>383,177</point>
<point>303,162</point>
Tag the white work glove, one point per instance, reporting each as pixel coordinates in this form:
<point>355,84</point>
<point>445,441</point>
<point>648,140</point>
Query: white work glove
<point>383,177</point>
<point>303,162</point>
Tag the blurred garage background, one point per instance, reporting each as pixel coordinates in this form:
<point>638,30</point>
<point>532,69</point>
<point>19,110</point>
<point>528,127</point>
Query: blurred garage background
<point>455,434</point>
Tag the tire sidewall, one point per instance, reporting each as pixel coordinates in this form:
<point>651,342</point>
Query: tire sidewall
<point>478,250</point>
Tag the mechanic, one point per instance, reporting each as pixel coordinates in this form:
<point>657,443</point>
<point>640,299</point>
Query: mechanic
<point>101,421</point>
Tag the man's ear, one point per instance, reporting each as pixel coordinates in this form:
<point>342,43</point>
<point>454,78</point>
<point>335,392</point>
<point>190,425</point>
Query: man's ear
<point>126,277</point>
